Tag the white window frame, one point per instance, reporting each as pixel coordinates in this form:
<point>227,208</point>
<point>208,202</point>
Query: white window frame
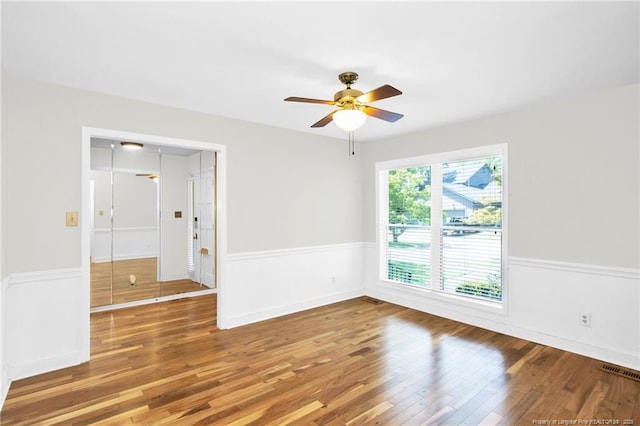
<point>433,291</point>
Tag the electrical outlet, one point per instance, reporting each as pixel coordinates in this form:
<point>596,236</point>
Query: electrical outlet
<point>585,320</point>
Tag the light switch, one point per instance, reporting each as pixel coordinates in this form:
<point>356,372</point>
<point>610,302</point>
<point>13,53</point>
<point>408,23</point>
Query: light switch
<point>72,218</point>
<point>100,212</point>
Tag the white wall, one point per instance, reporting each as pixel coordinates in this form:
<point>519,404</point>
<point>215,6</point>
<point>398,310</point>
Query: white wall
<point>4,378</point>
<point>271,283</point>
<point>267,209</point>
<point>573,228</point>
<point>174,196</point>
<point>573,174</point>
<point>134,234</point>
<point>298,213</point>
<point>285,190</point>
<point>135,201</point>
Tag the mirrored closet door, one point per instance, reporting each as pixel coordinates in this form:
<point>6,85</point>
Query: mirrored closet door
<point>153,222</point>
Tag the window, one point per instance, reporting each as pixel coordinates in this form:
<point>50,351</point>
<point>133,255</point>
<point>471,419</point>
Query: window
<point>441,222</point>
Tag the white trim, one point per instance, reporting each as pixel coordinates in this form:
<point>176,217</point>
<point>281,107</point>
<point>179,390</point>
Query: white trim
<point>221,209</point>
<point>441,157</point>
<point>281,310</point>
<point>125,256</point>
<point>454,301</point>
<point>609,271</point>
<point>5,381</point>
<point>24,369</point>
<point>435,161</point>
<point>153,300</point>
<point>133,229</point>
<point>18,278</point>
<point>236,257</point>
<point>175,277</point>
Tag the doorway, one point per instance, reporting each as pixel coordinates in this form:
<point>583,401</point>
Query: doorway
<point>160,252</point>
<point>144,199</point>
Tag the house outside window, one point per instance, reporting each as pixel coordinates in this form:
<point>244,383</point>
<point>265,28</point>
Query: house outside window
<point>442,223</point>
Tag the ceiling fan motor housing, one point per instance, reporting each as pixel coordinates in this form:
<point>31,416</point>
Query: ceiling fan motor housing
<point>347,97</point>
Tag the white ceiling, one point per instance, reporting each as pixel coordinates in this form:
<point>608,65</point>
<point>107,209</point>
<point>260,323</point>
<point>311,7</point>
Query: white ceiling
<point>453,60</point>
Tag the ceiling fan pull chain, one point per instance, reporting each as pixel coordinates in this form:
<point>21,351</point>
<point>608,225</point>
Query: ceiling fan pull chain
<point>352,145</point>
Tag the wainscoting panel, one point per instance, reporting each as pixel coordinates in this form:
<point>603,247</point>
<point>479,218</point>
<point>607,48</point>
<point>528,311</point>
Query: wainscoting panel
<point>128,243</point>
<point>548,298</point>
<point>46,321</point>
<point>544,302</point>
<point>268,284</point>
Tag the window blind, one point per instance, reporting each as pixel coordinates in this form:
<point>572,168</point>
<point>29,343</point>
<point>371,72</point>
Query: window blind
<point>408,234</point>
<point>464,214</point>
<point>471,234</point>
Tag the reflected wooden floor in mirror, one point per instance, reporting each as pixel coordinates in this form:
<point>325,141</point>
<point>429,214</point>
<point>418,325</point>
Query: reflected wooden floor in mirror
<point>348,363</point>
<point>146,285</point>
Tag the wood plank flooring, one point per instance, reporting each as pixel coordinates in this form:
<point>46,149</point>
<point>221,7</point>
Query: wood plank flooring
<point>107,291</point>
<point>349,363</point>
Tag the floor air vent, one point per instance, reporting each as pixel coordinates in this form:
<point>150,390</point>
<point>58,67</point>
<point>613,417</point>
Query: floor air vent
<point>372,300</point>
<point>619,371</point>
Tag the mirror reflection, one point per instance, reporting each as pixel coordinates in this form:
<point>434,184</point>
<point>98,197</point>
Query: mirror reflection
<point>153,222</point>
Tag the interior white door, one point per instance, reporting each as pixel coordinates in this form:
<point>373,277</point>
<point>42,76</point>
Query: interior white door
<point>207,229</point>
<point>202,253</point>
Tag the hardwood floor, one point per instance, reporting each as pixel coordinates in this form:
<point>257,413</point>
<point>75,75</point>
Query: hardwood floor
<point>349,363</point>
<point>105,291</point>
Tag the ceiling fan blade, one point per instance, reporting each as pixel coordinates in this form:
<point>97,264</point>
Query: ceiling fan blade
<point>309,100</point>
<point>382,114</point>
<point>381,92</point>
<point>324,120</point>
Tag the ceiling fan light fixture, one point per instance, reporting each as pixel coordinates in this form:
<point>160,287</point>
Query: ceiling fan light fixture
<point>349,119</point>
<point>131,145</point>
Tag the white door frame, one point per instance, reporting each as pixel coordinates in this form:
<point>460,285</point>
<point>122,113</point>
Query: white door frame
<point>85,213</point>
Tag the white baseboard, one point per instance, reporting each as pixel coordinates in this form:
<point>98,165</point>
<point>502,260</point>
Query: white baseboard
<point>4,390</point>
<point>116,306</point>
<point>279,311</point>
<point>175,277</point>
<point>543,304</point>
<point>268,284</point>
<point>27,368</point>
<point>125,256</point>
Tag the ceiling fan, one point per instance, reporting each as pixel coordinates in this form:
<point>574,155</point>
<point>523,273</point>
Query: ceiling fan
<point>352,104</point>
